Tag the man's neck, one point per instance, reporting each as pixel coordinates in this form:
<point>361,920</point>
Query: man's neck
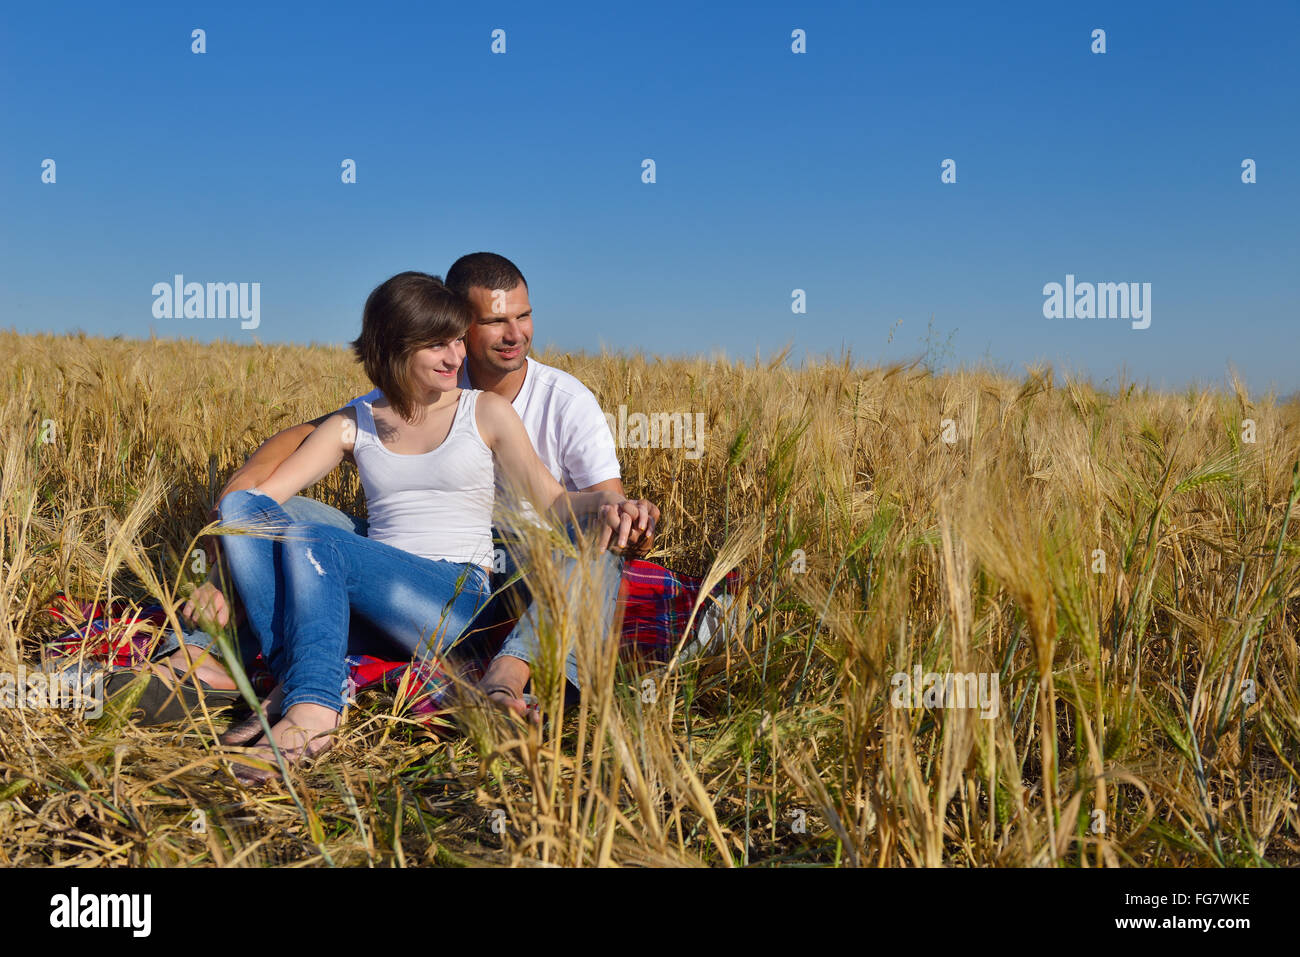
<point>504,384</point>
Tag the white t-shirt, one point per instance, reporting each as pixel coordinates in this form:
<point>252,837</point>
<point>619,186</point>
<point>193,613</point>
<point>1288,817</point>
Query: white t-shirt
<point>564,420</point>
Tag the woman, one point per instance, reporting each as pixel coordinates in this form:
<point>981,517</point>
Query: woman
<point>427,454</point>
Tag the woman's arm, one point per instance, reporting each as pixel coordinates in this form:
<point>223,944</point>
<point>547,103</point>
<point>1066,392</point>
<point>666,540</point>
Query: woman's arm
<point>319,455</point>
<point>313,459</point>
<point>505,434</point>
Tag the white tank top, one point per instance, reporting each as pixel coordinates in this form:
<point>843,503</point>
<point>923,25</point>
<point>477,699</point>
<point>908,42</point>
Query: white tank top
<point>437,505</point>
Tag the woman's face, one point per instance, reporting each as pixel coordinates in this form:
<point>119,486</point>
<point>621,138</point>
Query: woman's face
<point>435,367</point>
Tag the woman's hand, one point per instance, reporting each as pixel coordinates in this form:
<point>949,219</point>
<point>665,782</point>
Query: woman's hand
<point>622,521</point>
<point>632,521</point>
<point>206,604</point>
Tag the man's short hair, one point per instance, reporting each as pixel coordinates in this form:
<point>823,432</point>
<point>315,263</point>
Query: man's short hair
<point>487,270</point>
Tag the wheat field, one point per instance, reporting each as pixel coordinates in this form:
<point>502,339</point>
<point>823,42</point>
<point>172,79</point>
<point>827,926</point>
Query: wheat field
<point>1125,563</point>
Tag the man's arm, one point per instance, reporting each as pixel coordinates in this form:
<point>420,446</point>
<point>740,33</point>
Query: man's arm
<point>268,457</point>
<point>609,485</point>
<point>319,455</point>
<point>588,452</point>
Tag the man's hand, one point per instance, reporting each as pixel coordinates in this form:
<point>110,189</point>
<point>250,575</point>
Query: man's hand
<point>633,521</point>
<point>207,603</point>
<point>639,548</point>
<point>642,534</point>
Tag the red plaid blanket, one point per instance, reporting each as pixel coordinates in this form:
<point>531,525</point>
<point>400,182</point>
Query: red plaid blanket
<point>656,604</point>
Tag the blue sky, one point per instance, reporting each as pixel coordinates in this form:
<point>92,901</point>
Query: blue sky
<point>775,171</point>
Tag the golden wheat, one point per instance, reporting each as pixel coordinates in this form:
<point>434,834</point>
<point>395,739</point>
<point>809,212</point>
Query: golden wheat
<point>1123,561</point>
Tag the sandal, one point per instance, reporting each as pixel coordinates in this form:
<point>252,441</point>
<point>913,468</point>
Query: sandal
<point>249,728</point>
<point>160,702</point>
<point>532,708</point>
<point>298,758</point>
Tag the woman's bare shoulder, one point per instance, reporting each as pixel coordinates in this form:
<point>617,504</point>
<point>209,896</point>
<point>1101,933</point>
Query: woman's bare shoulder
<point>494,414</point>
<point>342,425</point>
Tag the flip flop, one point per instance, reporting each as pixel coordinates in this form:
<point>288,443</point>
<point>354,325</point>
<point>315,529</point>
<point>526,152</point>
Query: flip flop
<point>160,703</point>
<point>300,759</point>
<point>532,706</point>
<point>247,729</point>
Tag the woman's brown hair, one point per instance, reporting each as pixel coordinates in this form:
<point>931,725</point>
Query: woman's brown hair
<point>404,314</point>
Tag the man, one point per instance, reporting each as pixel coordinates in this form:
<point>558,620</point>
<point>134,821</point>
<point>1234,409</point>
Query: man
<point>561,416</point>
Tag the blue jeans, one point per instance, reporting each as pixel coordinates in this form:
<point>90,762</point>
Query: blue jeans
<point>301,589</point>
<point>302,511</point>
<point>605,575</point>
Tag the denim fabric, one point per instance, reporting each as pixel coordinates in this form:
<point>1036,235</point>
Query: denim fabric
<point>301,589</point>
<point>302,511</point>
<point>524,642</point>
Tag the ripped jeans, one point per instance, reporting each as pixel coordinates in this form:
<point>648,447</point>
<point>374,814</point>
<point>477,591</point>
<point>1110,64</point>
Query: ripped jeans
<point>302,589</point>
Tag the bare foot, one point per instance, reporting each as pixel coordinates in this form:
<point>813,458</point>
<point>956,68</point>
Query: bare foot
<point>305,732</point>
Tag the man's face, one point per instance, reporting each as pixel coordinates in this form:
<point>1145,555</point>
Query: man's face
<point>498,340</point>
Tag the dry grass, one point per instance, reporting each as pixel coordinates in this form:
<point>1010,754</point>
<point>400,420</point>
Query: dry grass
<point>1120,692</point>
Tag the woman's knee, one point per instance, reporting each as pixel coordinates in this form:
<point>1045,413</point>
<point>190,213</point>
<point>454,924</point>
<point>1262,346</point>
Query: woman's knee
<point>308,511</point>
<point>243,504</point>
